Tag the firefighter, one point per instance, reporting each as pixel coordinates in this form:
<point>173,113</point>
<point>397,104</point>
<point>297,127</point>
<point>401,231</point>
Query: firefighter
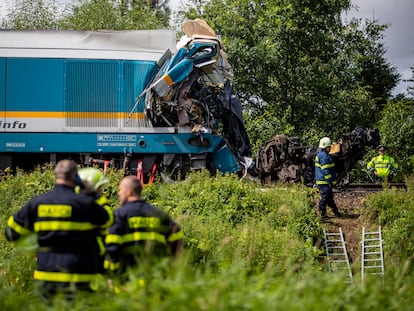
<point>141,232</point>
<point>325,175</point>
<point>66,225</point>
<point>383,166</point>
<point>94,182</point>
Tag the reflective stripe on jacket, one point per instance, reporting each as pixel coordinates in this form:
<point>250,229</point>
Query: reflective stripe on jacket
<point>67,227</point>
<point>325,172</point>
<point>140,229</point>
<point>383,165</point>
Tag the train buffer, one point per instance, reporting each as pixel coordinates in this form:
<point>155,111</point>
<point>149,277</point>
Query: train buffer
<point>372,260</point>
<point>338,260</point>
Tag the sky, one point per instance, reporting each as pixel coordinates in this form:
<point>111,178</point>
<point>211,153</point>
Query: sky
<point>399,37</point>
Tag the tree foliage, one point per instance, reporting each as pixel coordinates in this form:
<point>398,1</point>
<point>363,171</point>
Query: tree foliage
<point>88,15</point>
<point>410,89</point>
<point>396,128</point>
<point>377,75</point>
<point>116,15</point>
<point>299,55</point>
<point>32,14</point>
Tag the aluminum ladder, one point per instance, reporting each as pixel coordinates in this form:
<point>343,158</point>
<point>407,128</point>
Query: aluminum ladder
<point>372,260</point>
<point>337,254</point>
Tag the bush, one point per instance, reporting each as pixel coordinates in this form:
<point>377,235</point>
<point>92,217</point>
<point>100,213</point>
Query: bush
<point>393,210</point>
<point>396,129</point>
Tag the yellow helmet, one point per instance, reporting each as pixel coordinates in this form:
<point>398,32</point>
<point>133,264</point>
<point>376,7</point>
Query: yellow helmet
<point>93,176</point>
<point>325,142</point>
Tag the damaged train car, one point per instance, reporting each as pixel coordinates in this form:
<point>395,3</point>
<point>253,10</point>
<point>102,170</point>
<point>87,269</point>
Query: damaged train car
<point>285,159</point>
<point>135,100</point>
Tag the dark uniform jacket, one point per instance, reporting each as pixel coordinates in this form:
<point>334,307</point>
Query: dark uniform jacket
<point>67,225</point>
<point>140,229</point>
<point>325,173</point>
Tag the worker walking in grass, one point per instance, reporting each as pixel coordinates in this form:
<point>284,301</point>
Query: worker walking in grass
<point>141,232</point>
<point>382,166</point>
<point>325,175</point>
<point>67,225</point>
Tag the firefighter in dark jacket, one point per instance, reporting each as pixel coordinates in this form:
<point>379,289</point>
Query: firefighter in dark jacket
<point>140,232</point>
<point>325,175</point>
<point>67,225</point>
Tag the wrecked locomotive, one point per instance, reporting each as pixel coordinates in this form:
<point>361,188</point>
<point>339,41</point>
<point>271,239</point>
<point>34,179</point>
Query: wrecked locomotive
<point>136,100</point>
<point>285,159</point>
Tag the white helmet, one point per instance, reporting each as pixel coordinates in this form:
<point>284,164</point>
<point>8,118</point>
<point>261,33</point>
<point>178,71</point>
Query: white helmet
<point>325,142</point>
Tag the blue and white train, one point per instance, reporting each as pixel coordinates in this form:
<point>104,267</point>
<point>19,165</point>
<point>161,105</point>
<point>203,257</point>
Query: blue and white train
<point>135,100</point>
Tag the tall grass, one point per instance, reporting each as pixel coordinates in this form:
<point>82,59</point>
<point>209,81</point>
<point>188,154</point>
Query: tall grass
<point>247,247</point>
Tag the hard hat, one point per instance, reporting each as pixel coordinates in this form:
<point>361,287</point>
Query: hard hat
<point>325,142</point>
<point>382,148</point>
<point>93,176</point>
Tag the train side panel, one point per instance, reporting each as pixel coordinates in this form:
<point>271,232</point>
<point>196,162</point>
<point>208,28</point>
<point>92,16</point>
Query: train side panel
<point>79,106</point>
<point>55,95</point>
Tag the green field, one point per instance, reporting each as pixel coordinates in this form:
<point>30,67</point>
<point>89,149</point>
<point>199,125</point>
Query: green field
<point>247,247</point>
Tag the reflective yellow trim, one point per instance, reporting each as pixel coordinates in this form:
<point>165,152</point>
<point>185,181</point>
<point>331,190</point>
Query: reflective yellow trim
<point>113,238</point>
<point>54,210</point>
<point>321,182</point>
<point>176,236</point>
<point>63,277</point>
<point>62,226</point>
<point>109,265</point>
<point>111,216</point>
<point>327,176</point>
<point>327,166</point>
<point>18,228</point>
<point>102,200</point>
<point>144,222</point>
<point>101,245</point>
<point>144,236</point>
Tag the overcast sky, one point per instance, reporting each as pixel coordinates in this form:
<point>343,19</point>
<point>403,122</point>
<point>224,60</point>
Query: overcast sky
<point>399,37</point>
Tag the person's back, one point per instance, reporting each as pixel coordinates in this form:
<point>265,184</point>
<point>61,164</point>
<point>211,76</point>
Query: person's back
<point>325,172</point>
<point>140,231</point>
<point>67,225</point>
<point>325,177</point>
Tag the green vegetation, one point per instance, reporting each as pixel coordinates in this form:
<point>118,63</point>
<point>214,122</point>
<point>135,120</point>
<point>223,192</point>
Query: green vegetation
<point>299,67</point>
<point>247,247</point>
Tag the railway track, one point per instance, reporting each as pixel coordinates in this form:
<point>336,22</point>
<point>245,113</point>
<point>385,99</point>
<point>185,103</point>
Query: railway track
<point>374,186</point>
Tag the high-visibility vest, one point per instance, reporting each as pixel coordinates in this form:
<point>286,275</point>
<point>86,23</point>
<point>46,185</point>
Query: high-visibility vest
<point>383,165</point>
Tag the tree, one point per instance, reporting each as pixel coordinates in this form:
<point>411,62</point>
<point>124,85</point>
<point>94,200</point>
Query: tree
<point>117,15</point>
<point>410,89</point>
<point>396,129</point>
<point>297,55</point>
<point>89,15</point>
<point>377,75</point>
<point>32,14</point>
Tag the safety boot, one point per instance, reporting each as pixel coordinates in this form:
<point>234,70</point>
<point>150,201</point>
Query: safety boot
<point>337,212</point>
<point>323,213</point>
